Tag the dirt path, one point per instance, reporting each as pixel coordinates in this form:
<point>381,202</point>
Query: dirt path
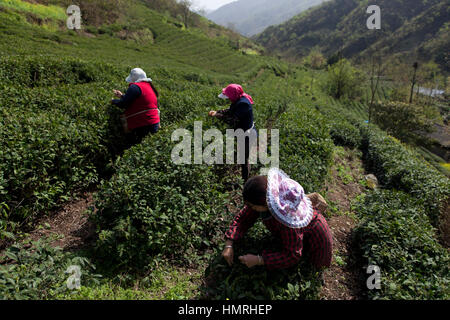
<point>342,280</point>
<point>69,226</point>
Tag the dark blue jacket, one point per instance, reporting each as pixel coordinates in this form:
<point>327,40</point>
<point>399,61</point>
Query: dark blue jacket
<point>132,94</point>
<point>240,114</point>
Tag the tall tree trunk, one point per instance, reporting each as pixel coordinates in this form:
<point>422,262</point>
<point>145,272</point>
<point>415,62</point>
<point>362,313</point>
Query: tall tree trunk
<point>416,65</point>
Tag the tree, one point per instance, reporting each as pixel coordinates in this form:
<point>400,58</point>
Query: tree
<point>344,80</point>
<point>185,6</point>
<point>376,72</point>
<point>405,121</point>
<point>316,61</point>
<point>413,81</point>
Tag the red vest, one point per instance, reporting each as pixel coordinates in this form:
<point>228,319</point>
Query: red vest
<point>144,110</point>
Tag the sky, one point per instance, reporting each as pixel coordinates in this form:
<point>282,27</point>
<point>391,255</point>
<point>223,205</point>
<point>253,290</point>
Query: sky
<point>210,4</point>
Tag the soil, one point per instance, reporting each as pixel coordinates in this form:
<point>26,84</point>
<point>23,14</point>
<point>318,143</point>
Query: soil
<point>342,281</point>
<point>70,225</point>
<point>444,226</point>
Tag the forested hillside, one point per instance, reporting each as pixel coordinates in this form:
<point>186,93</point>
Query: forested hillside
<point>251,17</point>
<point>411,30</point>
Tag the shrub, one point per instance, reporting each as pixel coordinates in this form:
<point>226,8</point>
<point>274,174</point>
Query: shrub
<point>404,121</point>
<point>50,71</point>
<point>45,155</point>
<point>345,134</point>
<point>395,234</point>
<point>315,59</point>
<point>399,168</point>
<point>155,208</point>
<point>39,272</point>
<point>305,147</point>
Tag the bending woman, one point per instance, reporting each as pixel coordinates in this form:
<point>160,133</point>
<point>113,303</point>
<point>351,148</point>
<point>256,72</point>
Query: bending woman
<point>288,213</point>
<point>141,103</point>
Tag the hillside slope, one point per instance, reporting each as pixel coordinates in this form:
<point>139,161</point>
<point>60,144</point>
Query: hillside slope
<point>412,29</point>
<point>251,17</point>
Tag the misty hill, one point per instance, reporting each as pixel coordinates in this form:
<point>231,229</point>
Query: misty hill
<point>251,17</point>
<point>412,29</point>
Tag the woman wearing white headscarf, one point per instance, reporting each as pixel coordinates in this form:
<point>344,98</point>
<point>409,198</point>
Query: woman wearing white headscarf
<point>141,116</point>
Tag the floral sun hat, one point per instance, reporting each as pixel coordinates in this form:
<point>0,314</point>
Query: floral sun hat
<point>287,200</point>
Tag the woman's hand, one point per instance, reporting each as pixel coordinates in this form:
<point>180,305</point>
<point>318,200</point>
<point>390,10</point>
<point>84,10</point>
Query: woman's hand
<point>118,94</point>
<point>228,252</point>
<point>212,113</point>
<point>251,260</point>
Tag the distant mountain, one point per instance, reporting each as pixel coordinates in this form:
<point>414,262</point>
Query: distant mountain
<point>250,17</point>
<point>418,29</point>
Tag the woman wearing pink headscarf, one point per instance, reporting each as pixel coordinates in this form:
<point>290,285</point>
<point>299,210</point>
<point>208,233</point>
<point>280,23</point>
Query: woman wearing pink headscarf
<point>240,116</point>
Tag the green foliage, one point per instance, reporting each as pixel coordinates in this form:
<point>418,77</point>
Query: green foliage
<point>164,283</point>
<point>154,207</point>
<point>305,147</point>
<point>39,271</point>
<point>54,140</point>
<point>396,235</point>
<point>299,282</point>
<point>397,167</point>
<point>315,59</point>
<point>58,135</point>
<point>51,11</point>
<point>345,134</point>
<point>344,81</point>
<point>51,71</point>
<point>342,120</point>
<point>105,292</point>
<point>404,121</point>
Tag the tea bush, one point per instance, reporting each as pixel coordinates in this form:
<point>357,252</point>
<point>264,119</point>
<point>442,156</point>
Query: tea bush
<point>239,282</point>
<point>343,123</point>
<point>54,136</point>
<point>59,134</point>
<point>153,207</point>
<point>396,235</point>
<point>305,146</point>
<point>39,272</point>
<point>34,71</point>
<point>399,168</point>
<point>45,155</point>
<point>345,134</point>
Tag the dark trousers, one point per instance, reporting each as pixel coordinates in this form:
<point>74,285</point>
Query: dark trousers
<point>246,167</point>
<point>137,135</point>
